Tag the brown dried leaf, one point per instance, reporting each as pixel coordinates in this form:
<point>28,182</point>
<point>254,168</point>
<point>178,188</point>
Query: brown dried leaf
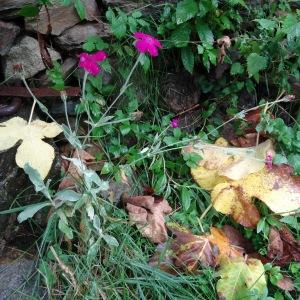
<point>282,247</point>
<point>189,249</point>
<point>275,245</point>
<point>237,239</point>
<point>163,259</point>
<point>286,284</point>
<point>247,140</point>
<point>148,215</point>
<point>225,248</point>
<point>72,172</point>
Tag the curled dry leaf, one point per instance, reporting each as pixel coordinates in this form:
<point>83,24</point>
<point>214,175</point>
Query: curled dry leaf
<point>223,43</point>
<point>237,175</point>
<point>245,141</point>
<point>38,154</point>
<point>72,172</point>
<point>282,246</point>
<point>240,276</point>
<point>148,213</point>
<point>286,284</point>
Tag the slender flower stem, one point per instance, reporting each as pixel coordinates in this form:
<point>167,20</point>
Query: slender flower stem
<point>63,96</point>
<point>34,100</point>
<point>84,83</point>
<point>123,88</point>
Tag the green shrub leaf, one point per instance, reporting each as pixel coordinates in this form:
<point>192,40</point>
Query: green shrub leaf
<point>256,63</point>
<point>187,57</point>
<point>186,10</point>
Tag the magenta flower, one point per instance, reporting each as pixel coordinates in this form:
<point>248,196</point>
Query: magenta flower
<point>269,160</point>
<point>89,62</point>
<point>175,123</point>
<point>146,43</point>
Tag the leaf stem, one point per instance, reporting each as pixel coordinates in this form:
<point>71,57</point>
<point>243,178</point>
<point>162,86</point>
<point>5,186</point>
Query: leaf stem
<point>123,88</point>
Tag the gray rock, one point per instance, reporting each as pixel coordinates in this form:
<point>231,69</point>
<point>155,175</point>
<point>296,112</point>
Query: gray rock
<point>74,37</point>
<point>61,17</point>
<point>27,53</point>
<point>8,33</point>
<point>14,4</point>
<point>15,282</point>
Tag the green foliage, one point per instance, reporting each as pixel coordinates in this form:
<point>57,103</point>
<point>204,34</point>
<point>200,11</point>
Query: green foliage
<point>108,256</point>
<point>121,24</point>
<point>80,8</point>
<point>256,63</point>
<point>94,43</point>
<point>29,11</point>
<point>56,77</point>
<point>287,137</point>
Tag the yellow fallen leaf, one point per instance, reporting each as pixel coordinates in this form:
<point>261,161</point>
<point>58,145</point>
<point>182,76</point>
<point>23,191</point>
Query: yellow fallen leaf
<point>238,175</point>
<point>278,188</point>
<point>38,154</point>
<point>222,164</point>
<point>240,278</point>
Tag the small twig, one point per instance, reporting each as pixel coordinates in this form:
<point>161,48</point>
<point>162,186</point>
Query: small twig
<point>187,110</point>
<point>65,268</point>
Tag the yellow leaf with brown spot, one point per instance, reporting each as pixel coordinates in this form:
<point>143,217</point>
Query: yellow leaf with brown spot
<point>278,188</point>
<point>221,164</point>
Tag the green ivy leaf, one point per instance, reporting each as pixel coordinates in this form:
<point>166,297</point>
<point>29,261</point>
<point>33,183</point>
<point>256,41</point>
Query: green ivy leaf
<point>94,43</point>
<point>187,57</point>
<point>256,63</point>
<point>118,26</point>
<point>236,69</point>
<point>125,129</point>
<point>205,33</point>
<point>279,159</point>
<point>80,8</point>
<point>186,10</point>
<point>181,36</point>
<point>291,26</point>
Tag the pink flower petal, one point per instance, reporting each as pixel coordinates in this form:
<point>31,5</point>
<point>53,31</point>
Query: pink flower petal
<point>152,50</point>
<point>175,123</point>
<point>99,56</point>
<point>140,35</point>
<point>147,43</point>
<point>141,46</point>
